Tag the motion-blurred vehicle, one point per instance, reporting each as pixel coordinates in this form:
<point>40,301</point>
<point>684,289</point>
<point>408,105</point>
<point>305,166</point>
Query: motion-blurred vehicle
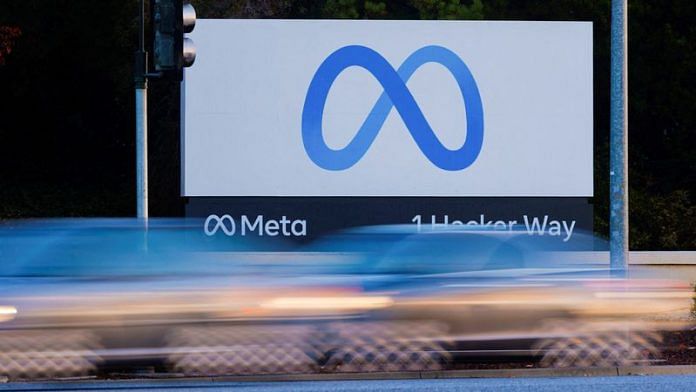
<point>80,297</point>
<point>479,294</point>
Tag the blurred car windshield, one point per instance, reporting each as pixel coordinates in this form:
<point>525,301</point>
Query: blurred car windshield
<point>449,252</point>
<point>89,249</point>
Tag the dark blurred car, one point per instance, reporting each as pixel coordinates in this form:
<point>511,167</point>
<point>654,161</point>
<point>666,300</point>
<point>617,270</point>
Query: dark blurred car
<point>78,297</point>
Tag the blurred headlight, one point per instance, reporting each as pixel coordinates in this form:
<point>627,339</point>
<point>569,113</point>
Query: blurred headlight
<point>328,303</point>
<point>644,294</point>
<point>7,313</point>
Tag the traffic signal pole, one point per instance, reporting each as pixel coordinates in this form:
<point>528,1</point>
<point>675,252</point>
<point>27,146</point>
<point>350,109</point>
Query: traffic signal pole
<point>172,51</point>
<point>141,120</point>
<point>618,171</point>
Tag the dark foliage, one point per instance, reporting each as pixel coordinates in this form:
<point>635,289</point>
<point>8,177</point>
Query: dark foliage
<point>66,103</point>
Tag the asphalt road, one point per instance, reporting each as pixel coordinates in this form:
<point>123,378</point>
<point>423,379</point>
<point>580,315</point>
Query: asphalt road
<point>565,384</point>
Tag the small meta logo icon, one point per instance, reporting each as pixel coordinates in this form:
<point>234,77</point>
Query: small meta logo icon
<point>395,94</point>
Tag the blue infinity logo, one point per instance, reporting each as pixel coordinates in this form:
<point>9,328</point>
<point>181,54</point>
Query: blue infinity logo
<point>395,94</point>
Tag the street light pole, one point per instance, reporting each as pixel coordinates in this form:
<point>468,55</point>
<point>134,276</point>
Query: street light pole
<point>141,120</point>
<point>618,174</point>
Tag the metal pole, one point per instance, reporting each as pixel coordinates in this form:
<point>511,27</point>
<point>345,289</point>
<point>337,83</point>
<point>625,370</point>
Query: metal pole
<point>141,150</point>
<point>141,120</point>
<point>618,174</point>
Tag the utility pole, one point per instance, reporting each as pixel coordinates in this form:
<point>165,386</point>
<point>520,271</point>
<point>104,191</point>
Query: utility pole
<point>618,171</point>
<point>141,120</point>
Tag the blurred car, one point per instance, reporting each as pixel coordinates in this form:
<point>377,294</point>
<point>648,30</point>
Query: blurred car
<point>79,297</point>
<point>472,294</point>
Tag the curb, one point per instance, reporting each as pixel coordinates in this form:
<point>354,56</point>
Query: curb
<point>423,375</point>
<point>433,375</point>
<point>474,373</point>
<point>443,374</point>
<point>517,373</point>
<point>656,370</point>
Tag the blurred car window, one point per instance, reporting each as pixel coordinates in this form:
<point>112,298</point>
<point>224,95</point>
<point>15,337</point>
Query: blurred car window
<point>450,252</point>
<point>81,250</point>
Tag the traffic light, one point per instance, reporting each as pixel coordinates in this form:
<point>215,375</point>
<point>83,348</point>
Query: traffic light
<point>172,51</point>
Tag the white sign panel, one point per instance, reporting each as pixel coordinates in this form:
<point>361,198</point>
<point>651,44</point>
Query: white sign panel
<point>388,108</point>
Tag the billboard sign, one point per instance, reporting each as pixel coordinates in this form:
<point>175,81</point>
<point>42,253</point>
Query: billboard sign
<point>389,109</point>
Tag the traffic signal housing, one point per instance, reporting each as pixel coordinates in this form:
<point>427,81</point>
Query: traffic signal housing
<point>172,51</point>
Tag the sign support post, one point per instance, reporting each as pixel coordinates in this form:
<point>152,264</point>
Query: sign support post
<point>618,172</point>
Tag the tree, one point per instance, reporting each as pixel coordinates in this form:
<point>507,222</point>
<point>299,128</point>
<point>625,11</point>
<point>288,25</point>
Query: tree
<point>8,37</point>
<point>448,9</point>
